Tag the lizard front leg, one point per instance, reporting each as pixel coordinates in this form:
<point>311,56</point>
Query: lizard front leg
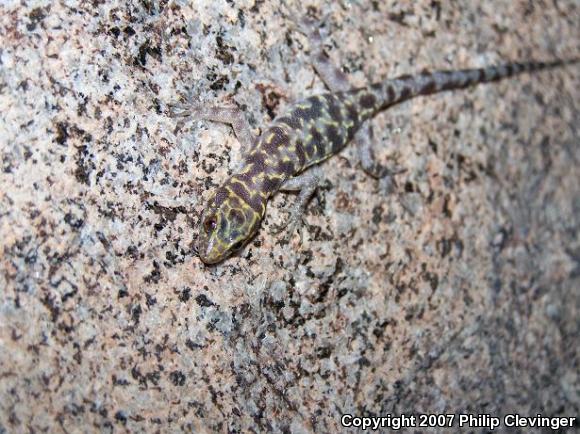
<point>306,184</point>
<point>227,115</point>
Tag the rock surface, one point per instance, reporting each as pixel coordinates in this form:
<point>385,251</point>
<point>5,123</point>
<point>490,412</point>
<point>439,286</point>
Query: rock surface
<point>455,289</point>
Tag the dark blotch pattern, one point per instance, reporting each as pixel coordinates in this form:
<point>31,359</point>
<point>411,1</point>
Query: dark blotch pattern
<point>237,217</point>
<point>390,93</point>
<point>368,101</point>
<point>280,137</point>
<point>405,93</point>
<point>220,196</point>
<point>270,185</point>
<point>256,203</point>
<point>428,88</point>
<point>274,139</point>
<point>315,144</point>
<point>254,170</point>
<point>291,121</point>
<point>333,108</point>
<point>299,144</point>
<point>377,87</point>
<point>223,227</point>
<point>314,111</point>
<point>258,160</point>
<point>352,113</point>
<point>286,167</point>
<point>335,138</point>
<point>240,190</point>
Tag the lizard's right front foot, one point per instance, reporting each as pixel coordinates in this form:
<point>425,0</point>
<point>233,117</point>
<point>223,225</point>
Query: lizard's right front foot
<point>187,109</point>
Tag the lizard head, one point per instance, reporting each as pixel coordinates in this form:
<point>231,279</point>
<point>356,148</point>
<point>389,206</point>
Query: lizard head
<point>229,220</point>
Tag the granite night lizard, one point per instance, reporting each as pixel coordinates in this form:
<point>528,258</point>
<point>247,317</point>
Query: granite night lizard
<point>286,155</point>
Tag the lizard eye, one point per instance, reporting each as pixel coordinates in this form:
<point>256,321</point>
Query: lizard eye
<point>209,224</point>
<point>238,245</point>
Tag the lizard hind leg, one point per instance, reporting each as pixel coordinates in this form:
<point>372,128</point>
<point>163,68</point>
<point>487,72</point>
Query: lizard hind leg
<point>365,144</point>
<point>306,184</point>
<point>332,76</point>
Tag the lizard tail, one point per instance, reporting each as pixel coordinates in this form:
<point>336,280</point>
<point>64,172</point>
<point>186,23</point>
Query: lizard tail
<point>405,87</point>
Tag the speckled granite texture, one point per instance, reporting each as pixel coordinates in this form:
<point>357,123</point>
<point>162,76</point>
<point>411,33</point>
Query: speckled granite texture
<point>456,292</point>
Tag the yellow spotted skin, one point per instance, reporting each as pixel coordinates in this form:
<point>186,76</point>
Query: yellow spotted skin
<point>307,133</point>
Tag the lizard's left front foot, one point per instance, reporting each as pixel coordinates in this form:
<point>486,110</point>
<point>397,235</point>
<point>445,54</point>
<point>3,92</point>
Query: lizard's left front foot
<point>295,222</point>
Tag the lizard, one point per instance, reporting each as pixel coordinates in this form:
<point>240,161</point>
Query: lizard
<point>286,156</point>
